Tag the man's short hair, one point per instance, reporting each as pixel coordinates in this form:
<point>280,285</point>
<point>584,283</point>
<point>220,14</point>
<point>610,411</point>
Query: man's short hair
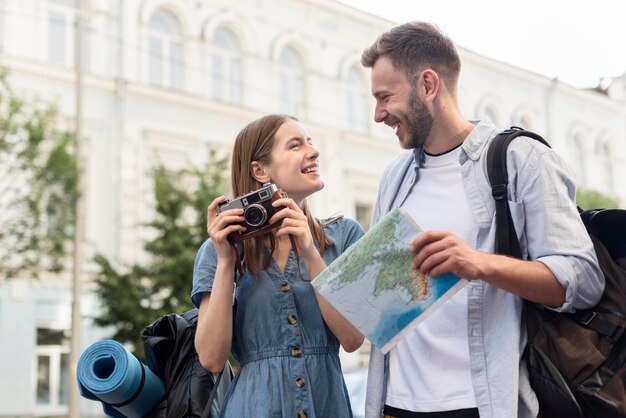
<point>414,46</point>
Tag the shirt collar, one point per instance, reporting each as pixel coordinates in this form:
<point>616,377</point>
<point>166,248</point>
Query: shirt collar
<point>475,141</point>
<point>472,146</point>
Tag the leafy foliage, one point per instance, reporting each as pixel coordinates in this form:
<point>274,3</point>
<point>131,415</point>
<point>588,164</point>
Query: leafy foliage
<point>591,199</point>
<point>135,297</point>
<point>40,187</point>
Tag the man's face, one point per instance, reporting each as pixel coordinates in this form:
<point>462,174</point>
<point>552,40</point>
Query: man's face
<point>398,105</point>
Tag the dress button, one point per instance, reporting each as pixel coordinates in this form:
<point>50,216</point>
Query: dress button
<point>292,319</point>
<point>302,414</point>
<point>300,382</point>
<point>296,352</point>
<point>285,287</point>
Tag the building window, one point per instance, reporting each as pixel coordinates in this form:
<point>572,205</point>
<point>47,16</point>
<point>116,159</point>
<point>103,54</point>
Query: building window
<point>291,82</point>
<point>363,214</point>
<point>57,225</point>
<point>356,101</point>
<point>225,67</point>
<point>578,161</point>
<point>52,367</point>
<point>61,17</point>
<point>525,122</point>
<point>165,49</point>
<point>491,113</point>
<point>604,154</point>
<point>2,12</point>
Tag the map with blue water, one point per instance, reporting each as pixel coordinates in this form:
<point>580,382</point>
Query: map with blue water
<point>374,287</point>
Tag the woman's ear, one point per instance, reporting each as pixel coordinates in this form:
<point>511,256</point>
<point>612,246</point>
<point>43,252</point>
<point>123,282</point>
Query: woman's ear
<point>259,172</point>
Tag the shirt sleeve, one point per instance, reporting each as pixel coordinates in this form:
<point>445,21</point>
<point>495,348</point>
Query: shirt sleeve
<point>555,233</point>
<point>203,272</point>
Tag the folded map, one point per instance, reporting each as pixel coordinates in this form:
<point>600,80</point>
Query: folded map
<point>374,287</point>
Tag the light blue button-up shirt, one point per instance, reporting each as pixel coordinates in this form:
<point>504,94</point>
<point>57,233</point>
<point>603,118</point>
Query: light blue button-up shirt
<point>541,196</point>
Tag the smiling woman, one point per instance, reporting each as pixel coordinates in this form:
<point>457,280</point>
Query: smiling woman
<point>284,335</point>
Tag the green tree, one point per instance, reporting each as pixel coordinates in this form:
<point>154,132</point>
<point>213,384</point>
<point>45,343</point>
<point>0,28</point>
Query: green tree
<point>133,297</point>
<point>39,187</point>
<point>591,199</point>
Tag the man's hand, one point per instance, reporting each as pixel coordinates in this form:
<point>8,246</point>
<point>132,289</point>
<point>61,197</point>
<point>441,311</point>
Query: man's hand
<point>442,251</point>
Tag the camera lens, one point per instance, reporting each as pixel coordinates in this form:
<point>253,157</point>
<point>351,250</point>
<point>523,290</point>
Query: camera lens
<point>255,215</point>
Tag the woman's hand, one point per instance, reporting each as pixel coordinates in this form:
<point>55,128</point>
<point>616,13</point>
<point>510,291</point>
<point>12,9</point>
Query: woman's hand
<point>219,226</point>
<point>295,223</point>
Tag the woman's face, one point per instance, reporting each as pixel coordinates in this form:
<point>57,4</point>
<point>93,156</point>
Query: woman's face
<point>294,164</point>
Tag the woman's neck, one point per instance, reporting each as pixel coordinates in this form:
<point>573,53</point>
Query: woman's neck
<point>283,241</point>
<point>281,252</point>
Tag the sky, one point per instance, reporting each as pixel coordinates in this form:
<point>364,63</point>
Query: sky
<point>577,41</point>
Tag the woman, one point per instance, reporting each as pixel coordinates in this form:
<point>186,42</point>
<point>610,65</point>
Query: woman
<point>285,336</point>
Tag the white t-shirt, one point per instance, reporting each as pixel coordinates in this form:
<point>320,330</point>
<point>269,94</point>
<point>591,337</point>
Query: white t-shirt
<point>429,369</point>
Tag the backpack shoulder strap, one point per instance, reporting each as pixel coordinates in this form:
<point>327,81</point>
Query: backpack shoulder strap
<point>206,413</point>
<point>506,239</point>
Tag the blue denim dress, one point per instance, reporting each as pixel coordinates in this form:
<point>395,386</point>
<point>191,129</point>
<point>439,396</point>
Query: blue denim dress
<point>289,357</point>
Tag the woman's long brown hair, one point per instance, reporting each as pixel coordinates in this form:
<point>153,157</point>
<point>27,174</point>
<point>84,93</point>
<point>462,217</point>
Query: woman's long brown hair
<point>255,143</point>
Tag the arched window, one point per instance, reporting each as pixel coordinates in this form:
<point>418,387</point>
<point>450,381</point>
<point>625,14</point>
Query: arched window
<point>356,101</point>
<point>2,24</point>
<point>60,32</point>
<point>526,123</point>
<point>492,114</point>
<point>578,161</point>
<point>606,167</point>
<point>363,214</point>
<point>291,82</point>
<point>165,48</point>
<point>225,67</point>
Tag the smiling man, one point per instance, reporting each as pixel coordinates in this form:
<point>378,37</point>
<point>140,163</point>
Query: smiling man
<point>465,360</point>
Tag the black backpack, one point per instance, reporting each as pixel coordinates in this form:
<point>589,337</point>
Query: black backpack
<point>191,391</point>
<point>576,362</point>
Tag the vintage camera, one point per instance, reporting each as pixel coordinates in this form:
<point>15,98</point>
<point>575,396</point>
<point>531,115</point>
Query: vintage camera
<point>257,211</point>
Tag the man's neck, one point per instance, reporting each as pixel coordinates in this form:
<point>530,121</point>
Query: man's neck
<point>447,136</point>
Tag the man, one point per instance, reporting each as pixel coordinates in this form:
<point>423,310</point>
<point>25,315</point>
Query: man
<point>465,359</point>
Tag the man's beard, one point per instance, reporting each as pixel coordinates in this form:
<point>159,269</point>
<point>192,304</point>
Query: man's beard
<point>417,121</point>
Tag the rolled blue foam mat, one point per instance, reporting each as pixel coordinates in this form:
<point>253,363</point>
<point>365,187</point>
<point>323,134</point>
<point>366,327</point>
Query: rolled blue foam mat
<point>109,373</point>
